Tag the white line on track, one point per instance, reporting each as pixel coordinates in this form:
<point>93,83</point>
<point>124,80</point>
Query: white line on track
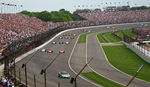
<point>74,70</point>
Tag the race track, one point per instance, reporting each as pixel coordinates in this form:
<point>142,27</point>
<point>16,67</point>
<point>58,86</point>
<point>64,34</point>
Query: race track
<point>73,60</point>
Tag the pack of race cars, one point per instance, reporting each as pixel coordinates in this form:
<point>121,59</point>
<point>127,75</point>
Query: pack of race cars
<point>51,51</point>
<point>61,74</point>
<point>65,36</point>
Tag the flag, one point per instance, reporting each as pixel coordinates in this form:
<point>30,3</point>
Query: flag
<point>30,47</point>
<point>5,4</point>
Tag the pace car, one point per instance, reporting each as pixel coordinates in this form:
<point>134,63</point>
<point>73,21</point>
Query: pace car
<point>63,74</point>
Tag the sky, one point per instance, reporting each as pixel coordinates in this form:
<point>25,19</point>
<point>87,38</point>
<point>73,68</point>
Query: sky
<point>72,5</point>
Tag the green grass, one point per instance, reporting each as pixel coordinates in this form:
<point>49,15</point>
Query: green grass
<point>127,61</point>
<point>128,32</point>
<point>111,37</point>
<point>99,36</point>
<point>82,38</point>
<point>101,80</point>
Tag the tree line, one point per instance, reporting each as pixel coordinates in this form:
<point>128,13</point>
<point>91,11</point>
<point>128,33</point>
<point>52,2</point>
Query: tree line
<point>55,16</point>
<point>140,8</point>
<point>63,15</point>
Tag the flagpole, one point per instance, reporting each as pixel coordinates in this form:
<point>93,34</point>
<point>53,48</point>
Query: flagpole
<point>1,7</point>
<point>128,3</point>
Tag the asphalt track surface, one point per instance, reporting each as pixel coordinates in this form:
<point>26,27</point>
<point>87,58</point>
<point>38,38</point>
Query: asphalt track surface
<point>101,65</point>
<point>74,52</point>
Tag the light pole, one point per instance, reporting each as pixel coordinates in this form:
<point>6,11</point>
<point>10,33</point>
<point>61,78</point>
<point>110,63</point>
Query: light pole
<point>24,66</point>
<point>34,81</point>
<point>134,75</point>
<point>43,71</point>
<point>74,79</point>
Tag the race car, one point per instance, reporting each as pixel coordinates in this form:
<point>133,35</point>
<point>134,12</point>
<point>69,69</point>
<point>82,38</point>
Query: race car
<point>71,37</point>
<point>61,42</point>
<point>66,37</point>
<point>60,37</point>
<point>74,35</point>
<point>43,50</point>
<point>61,51</point>
<point>50,51</point>
<point>67,42</point>
<point>64,74</point>
<point>64,34</point>
<point>69,34</point>
<point>53,42</point>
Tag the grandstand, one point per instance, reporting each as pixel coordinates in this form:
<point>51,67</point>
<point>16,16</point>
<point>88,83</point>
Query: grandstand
<point>17,26</point>
<point>116,17</point>
<point>145,32</point>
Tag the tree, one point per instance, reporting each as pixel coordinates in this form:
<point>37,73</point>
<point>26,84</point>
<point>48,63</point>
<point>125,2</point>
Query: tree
<point>56,16</point>
<point>139,8</point>
<point>44,15</point>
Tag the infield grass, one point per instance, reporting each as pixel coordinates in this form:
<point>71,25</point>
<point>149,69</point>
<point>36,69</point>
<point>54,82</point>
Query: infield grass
<point>82,38</point>
<point>128,32</point>
<point>127,61</point>
<point>100,80</point>
<point>99,36</point>
<point>111,37</point>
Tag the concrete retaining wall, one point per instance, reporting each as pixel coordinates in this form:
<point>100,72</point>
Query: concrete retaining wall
<point>142,56</point>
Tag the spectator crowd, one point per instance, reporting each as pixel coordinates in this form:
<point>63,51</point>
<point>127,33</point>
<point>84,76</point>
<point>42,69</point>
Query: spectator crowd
<point>116,17</point>
<point>17,26</point>
<point>4,82</point>
<point>143,32</point>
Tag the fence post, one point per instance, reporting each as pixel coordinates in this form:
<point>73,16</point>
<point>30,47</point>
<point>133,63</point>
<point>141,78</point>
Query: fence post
<point>34,81</point>
<point>58,84</point>
<point>19,75</point>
